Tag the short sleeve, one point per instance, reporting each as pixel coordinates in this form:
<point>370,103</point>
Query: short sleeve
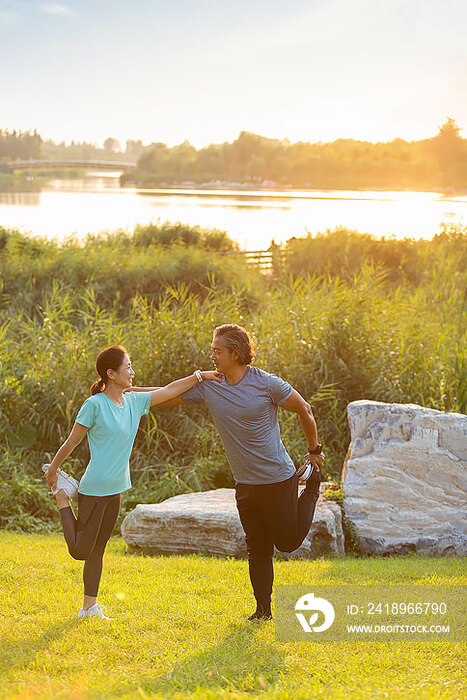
<point>143,401</point>
<point>195,395</point>
<point>87,413</point>
<point>279,390</point>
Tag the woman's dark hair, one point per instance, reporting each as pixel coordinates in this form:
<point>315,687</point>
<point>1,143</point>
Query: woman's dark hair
<point>236,339</point>
<point>108,358</point>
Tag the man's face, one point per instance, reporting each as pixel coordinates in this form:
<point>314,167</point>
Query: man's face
<point>222,358</point>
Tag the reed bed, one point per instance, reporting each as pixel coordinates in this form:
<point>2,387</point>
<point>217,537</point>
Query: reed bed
<point>366,331</point>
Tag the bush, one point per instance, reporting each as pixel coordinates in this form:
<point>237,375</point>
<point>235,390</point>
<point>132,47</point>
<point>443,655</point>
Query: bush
<point>116,269</point>
<point>406,261</point>
<point>24,503</point>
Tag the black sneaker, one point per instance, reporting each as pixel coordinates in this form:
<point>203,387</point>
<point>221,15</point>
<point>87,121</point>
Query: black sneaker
<point>260,615</point>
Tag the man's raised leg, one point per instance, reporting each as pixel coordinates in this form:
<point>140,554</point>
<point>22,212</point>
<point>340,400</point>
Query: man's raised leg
<point>288,515</point>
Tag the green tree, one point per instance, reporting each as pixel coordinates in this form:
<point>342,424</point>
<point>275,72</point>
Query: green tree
<point>111,145</point>
<point>450,150</point>
<point>134,148</point>
<point>20,145</point>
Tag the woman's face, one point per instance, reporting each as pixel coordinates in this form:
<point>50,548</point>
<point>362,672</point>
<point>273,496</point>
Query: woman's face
<point>123,376</point>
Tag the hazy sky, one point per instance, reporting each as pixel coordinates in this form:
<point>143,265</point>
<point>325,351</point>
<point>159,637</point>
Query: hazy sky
<point>204,70</point>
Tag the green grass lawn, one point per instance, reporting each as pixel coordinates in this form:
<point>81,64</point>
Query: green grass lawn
<point>181,631</point>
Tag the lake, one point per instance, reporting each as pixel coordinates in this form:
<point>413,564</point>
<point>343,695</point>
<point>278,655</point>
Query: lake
<point>251,217</point>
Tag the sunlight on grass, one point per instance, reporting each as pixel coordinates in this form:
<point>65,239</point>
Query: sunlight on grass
<point>181,631</point>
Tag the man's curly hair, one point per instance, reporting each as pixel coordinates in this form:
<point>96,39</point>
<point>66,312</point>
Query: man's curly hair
<point>236,339</point>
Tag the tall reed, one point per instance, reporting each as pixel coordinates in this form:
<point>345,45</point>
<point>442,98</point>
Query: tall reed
<point>335,338</point>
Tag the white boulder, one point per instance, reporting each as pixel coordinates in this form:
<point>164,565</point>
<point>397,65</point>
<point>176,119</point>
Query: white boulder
<point>206,521</point>
<point>405,479</point>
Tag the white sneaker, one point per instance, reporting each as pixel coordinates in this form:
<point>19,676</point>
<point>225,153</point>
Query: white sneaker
<point>97,610</point>
<point>305,470</point>
<point>64,482</point>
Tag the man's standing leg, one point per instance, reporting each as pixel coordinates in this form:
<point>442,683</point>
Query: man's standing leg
<point>260,548</point>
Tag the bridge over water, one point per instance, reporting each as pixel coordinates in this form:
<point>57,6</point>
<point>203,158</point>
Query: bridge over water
<point>115,165</point>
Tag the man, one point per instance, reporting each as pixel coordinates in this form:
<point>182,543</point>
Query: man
<point>244,406</point>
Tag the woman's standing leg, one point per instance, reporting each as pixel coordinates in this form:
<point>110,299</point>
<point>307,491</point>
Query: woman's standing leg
<point>87,535</point>
<point>93,565</point>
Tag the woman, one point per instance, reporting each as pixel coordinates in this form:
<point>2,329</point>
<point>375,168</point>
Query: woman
<point>110,417</point>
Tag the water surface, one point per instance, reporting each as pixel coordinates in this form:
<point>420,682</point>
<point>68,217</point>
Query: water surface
<point>253,218</point>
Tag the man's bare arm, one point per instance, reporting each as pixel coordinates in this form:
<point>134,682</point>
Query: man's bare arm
<point>297,404</point>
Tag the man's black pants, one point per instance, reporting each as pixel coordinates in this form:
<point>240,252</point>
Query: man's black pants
<point>274,515</point>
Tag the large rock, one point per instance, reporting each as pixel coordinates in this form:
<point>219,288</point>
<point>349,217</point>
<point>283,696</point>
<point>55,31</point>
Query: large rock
<point>405,479</point>
<point>208,522</point>
<point>193,522</point>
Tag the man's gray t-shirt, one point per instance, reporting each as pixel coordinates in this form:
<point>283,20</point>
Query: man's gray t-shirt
<point>245,415</point>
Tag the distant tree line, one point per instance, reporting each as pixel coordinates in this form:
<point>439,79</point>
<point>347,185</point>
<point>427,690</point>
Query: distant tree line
<point>82,150</point>
<point>20,145</point>
<point>29,145</point>
<point>438,162</point>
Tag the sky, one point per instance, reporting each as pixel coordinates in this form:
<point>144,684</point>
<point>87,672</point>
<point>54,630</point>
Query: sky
<point>204,70</point>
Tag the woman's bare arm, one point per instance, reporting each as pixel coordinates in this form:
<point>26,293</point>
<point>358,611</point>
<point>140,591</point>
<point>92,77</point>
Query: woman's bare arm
<point>179,386</point>
<point>178,401</point>
<point>75,437</point>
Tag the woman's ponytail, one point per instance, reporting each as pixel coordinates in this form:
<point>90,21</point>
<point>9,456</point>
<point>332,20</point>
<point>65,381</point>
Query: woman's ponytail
<point>97,387</point>
<point>108,358</point>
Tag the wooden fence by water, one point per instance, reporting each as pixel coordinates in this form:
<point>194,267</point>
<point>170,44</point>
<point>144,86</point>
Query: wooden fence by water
<point>264,260</point>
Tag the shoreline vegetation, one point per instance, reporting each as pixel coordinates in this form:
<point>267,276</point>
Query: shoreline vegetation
<point>341,315</point>
<point>253,161</point>
<point>35,180</point>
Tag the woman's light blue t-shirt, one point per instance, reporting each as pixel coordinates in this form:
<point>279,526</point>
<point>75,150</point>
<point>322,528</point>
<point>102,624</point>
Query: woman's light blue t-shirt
<point>111,434</point>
